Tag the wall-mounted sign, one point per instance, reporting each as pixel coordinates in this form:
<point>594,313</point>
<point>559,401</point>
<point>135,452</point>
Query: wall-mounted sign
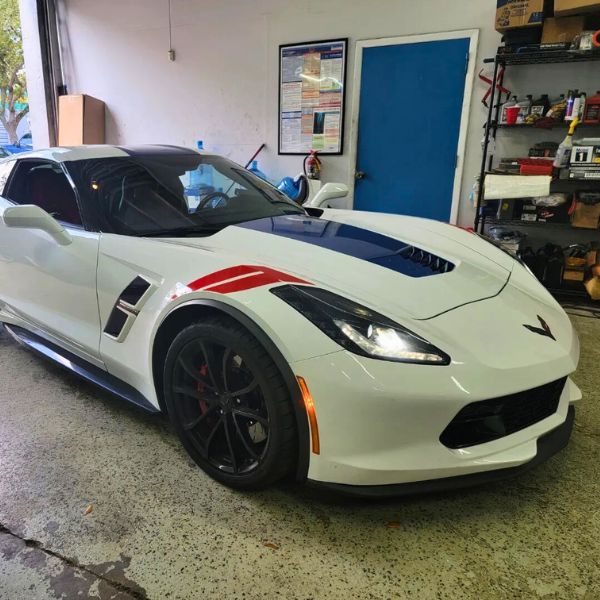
<point>311,97</point>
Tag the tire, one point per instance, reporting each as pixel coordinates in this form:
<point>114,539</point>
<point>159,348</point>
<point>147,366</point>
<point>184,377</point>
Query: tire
<point>245,440</point>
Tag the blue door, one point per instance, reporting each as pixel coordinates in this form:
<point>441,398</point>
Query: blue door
<point>411,99</point>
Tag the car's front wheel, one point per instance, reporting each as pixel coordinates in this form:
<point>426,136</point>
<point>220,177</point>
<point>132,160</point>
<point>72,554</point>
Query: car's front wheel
<point>229,404</point>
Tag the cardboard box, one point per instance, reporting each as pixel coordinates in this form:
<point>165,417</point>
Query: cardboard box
<point>593,288</point>
<point>565,8</point>
<point>80,120</point>
<point>573,275</point>
<point>586,216</point>
<point>585,155</point>
<point>562,30</point>
<point>512,14</point>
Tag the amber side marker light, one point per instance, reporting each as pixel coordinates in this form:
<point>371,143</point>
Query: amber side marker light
<point>312,415</point>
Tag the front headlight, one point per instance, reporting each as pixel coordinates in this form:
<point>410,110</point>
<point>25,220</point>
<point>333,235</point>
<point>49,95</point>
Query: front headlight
<point>359,329</point>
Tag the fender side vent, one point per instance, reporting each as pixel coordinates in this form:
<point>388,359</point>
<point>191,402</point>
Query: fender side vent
<point>127,308</point>
<point>116,322</point>
<point>134,291</point>
<point>426,259</point>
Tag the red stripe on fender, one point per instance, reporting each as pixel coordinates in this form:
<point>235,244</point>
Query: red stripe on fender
<point>248,277</point>
<point>219,276</point>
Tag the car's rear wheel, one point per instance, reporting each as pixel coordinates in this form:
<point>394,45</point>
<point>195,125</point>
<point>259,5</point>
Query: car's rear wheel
<point>229,404</point>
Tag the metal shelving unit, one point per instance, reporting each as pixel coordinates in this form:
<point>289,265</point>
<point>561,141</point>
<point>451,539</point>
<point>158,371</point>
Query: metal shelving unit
<point>535,55</point>
<point>519,223</point>
<point>561,125</point>
<point>527,55</point>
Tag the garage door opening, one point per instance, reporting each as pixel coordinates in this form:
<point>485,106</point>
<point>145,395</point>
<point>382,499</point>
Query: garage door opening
<point>15,133</point>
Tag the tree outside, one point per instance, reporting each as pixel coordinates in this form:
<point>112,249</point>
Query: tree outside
<point>13,91</point>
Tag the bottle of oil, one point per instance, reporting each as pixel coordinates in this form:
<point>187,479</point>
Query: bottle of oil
<point>592,110</point>
<point>579,106</point>
<point>571,96</point>
<point>524,108</point>
<point>563,154</point>
<point>541,106</point>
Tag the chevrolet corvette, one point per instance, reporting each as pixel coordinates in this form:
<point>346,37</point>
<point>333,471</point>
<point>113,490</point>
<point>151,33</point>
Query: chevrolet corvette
<point>372,354</point>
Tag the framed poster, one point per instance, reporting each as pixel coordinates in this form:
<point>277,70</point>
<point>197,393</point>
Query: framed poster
<point>312,93</point>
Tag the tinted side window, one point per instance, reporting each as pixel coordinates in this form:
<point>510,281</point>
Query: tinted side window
<point>5,171</point>
<point>44,184</point>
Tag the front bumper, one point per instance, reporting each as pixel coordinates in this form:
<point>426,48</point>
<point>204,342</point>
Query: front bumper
<point>380,424</point>
<point>547,446</point>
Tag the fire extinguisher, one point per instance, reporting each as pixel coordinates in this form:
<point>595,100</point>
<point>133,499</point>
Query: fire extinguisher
<point>312,165</point>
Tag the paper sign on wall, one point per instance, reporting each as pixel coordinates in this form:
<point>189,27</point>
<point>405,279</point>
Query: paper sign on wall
<point>311,97</point>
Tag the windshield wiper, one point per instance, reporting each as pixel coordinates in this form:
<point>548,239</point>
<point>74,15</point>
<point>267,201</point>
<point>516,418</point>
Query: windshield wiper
<point>180,232</point>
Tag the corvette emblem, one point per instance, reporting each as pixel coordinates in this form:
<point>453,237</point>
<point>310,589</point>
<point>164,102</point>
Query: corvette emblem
<point>543,330</point>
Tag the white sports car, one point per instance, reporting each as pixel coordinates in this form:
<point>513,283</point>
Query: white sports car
<point>374,354</point>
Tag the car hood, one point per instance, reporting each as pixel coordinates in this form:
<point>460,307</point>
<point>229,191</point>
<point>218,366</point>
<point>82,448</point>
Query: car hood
<point>397,265</point>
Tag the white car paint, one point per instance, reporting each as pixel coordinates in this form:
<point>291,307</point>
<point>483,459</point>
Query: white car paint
<point>52,287</point>
<point>367,438</point>
<point>379,422</point>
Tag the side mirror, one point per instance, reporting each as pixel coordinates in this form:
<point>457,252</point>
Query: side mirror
<point>329,191</point>
<point>29,216</point>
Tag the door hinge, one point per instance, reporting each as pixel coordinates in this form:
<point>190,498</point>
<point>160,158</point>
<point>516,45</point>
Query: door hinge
<point>467,62</point>
<point>456,162</point>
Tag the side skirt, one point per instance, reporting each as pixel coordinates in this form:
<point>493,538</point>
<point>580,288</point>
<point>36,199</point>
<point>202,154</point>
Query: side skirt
<point>80,367</point>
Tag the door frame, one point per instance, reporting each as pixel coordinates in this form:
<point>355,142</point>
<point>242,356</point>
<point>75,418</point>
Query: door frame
<point>473,36</point>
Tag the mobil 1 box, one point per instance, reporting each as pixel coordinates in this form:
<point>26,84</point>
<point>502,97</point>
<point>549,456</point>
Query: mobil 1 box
<point>514,14</point>
<point>585,155</point>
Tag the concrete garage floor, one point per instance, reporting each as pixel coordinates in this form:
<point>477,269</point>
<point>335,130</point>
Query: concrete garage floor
<point>161,529</point>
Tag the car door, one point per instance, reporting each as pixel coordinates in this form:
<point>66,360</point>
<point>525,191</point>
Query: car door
<point>47,287</point>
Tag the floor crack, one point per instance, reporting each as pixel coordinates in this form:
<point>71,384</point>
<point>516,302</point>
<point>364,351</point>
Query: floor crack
<point>29,543</point>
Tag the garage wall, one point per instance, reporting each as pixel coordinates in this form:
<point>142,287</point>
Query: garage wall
<point>223,86</point>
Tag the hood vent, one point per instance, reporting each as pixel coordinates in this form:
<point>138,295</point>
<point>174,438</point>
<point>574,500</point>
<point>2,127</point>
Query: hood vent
<point>426,259</point>
<point>357,242</point>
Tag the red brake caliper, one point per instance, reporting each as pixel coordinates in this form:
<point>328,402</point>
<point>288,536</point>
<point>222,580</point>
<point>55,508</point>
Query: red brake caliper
<point>203,373</point>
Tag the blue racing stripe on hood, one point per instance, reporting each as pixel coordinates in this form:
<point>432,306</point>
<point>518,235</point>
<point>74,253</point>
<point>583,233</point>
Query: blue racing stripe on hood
<point>354,241</point>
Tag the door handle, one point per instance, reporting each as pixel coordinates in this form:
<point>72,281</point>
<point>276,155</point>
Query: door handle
<point>360,175</point>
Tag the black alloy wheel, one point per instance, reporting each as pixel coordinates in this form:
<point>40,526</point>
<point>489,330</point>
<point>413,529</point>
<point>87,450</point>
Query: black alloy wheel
<point>229,404</point>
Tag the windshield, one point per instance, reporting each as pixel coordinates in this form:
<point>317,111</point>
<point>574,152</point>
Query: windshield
<point>176,194</point>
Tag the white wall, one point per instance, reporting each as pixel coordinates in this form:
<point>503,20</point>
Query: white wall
<point>223,87</point>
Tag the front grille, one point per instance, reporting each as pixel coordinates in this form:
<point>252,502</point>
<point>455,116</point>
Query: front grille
<point>489,420</point>
<point>426,259</point>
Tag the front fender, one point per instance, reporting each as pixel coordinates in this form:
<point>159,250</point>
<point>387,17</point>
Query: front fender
<point>192,309</point>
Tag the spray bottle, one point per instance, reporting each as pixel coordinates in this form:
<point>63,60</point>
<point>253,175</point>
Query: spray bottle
<point>563,154</point>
